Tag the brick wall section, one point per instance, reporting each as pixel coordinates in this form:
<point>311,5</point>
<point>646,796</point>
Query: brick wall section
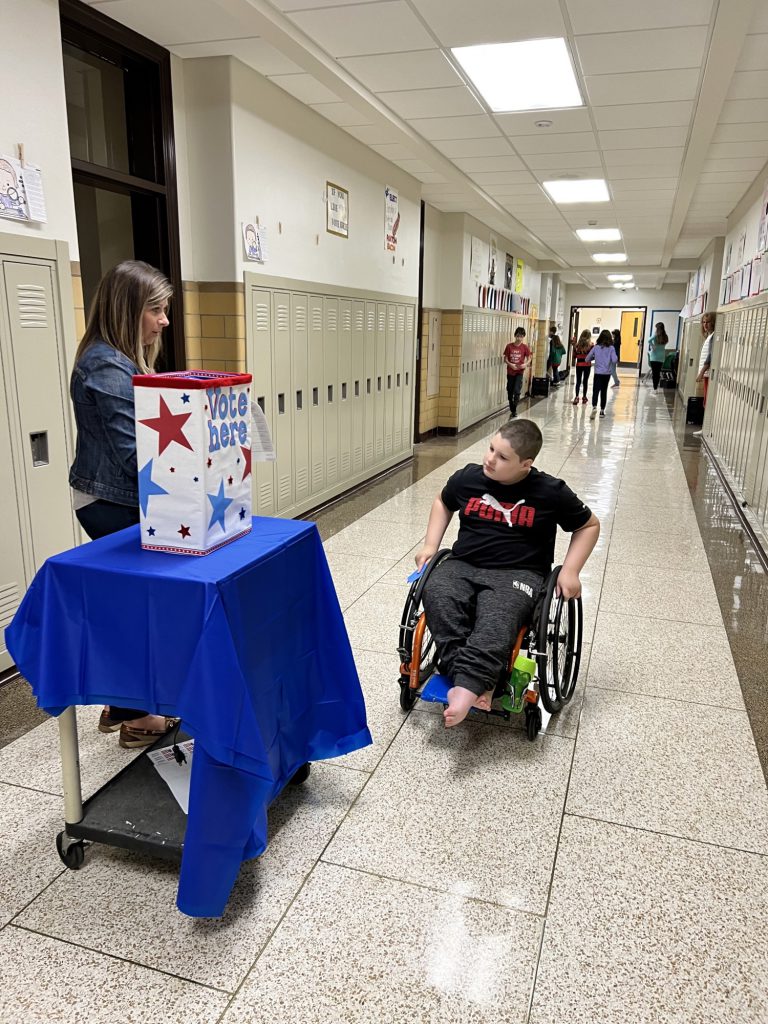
<point>450,369</point>
<point>214,325</point>
<point>428,406</point>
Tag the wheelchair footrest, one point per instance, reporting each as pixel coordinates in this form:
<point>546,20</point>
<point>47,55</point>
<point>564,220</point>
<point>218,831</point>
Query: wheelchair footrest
<point>436,689</point>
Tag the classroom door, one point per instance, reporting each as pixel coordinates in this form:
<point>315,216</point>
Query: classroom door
<point>631,336</point>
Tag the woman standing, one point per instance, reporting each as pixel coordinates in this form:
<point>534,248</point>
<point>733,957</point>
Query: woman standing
<point>617,345</point>
<point>657,347</point>
<point>583,368</point>
<point>122,338</point>
<point>556,353</point>
<point>603,355</point>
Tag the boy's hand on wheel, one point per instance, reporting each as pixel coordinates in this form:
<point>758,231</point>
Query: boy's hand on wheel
<point>568,584</point>
<point>424,556</point>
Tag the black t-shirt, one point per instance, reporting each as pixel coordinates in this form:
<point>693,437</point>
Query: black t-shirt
<point>511,526</point>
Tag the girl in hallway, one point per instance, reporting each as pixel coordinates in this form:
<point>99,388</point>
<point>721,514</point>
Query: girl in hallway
<point>583,368</point>
<point>122,338</point>
<point>657,347</point>
<point>603,355</point>
<point>617,345</point>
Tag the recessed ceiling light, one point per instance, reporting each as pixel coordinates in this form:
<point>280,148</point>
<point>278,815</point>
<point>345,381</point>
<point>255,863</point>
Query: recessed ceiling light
<point>609,257</point>
<point>588,190</point>
<point>536,74</point>
<point>619,277</point>
<point>543,124</point>
<point>599,234</point>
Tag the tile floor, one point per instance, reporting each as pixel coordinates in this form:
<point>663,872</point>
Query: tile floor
<point>616,870</point>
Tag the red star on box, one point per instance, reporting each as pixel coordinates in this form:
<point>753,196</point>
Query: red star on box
<point>247,456</point>
<point>169,427</point>
<point>184,531</point>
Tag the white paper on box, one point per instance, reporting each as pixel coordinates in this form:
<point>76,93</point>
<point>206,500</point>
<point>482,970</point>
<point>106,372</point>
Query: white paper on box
<point>193,445</point>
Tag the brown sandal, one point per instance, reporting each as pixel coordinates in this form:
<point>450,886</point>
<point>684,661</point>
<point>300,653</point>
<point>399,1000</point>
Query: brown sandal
<point>131,738</point>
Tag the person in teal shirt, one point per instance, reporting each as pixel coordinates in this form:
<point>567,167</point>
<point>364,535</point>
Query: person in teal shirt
<point>657,348</point>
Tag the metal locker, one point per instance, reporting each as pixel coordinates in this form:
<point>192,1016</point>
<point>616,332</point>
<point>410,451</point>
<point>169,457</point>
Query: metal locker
<point>748,398</point>
<point>379,381</point>
<point>39,411</point>
<point>315,396</point>
<point>343,389</point>
<point>300,397</point>
<point>357,384</point>
<point>368,386</point>
<point>330,395</point>
<point>753,479</point>
<point>398,380</point>
<point>282,381</point>
<point>263,472</point>
<point>389,379</point>
<point>409,370</point>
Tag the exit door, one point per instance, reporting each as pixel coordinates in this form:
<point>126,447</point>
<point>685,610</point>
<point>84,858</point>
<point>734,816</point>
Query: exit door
<point>632,328</point>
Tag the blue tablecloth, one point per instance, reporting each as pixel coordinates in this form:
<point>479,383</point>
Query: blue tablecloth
<point>246,644</point>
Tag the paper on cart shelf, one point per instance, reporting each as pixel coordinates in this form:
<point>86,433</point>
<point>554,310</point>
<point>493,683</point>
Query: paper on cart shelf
<point>176,776</point>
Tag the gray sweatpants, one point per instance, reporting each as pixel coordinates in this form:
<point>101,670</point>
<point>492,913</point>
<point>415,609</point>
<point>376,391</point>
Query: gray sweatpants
<point>474,616</point>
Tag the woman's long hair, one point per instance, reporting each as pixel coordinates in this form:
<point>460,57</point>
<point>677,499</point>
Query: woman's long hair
<point>661,333</point>
<point>124,293</point>
<point>584,344</point>
<point>605,339</point>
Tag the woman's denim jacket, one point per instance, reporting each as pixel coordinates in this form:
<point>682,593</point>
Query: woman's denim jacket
<point>102,394</point>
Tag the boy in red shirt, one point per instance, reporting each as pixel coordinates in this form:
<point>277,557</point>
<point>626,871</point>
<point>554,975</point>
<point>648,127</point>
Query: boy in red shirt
<point>517,356</point>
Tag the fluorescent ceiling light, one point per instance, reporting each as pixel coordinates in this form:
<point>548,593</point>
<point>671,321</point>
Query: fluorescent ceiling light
<point>536,74</point>
<point>599,234</point>
<point>587,190</point>
<point>609,257</point>
<point>619,277</point>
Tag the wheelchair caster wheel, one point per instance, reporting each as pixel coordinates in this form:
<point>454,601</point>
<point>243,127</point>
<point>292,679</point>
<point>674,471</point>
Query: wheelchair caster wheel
<point>301,775</point>
<point>408,697</point>
<point>533,723</point>
<point>73,854</point>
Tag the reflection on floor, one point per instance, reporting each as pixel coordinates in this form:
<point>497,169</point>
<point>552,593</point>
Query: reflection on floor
<point>616,870</point>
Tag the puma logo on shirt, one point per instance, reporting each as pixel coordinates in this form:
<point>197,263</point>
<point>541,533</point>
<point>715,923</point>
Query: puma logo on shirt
<point>491,508</point>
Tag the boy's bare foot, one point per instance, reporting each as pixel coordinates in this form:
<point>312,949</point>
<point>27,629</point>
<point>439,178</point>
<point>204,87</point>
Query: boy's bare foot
<point>460,703</point>
<point>485,701</point>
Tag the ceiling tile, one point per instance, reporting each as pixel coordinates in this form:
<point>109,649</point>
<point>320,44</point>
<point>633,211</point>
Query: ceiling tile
<point>428,176</point>
<point>740,111</point>
<point>560,143</point>
<point>452,148</point>
<point>490,163</point>
<point>754,54</point>
<point>175,21</point>
<point>299,5</point>
<point>759,21</point>
<point>341,114</point>
<point>415,69</point>
<point>500,177</point>
<point>414,103</point>
<point>667,157</point>
<point>364,28</point>
<point>306,88</point>
<point>741,163</point>
<point>644,138</point>
<point>581,162</point>
<point>394,151</point>
<point>521,191</point>
<point>740,177</point>
<point>748,85</point>
<point>629,185</point>
<point>616,173</point>
<point>254,52</point>
<point>644,87</point>
<point>656,50</point>
<point>479,126</point>
<point>458,23</point>
<point>374,134</point>
<point>753,131</point>
<point>574,120</point>
<point>413,166</point>
<point>627,15</point>
<point>729,149</point>
<point>643,115</point>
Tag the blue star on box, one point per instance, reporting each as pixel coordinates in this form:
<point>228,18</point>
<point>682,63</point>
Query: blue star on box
<point>219,504</point>
<point>185,399</point>
<point>147,487</point>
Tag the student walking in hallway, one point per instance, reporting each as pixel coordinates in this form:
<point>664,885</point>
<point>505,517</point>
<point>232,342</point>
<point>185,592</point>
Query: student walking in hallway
<point>603,355</point>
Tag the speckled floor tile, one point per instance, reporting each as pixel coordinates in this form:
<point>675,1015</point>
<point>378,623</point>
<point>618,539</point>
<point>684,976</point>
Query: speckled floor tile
<point>661,550</point>
<point>379,674</point>
<point>50,982</point>
<point>647,929</point>
<point>667,766</point>
<point>81,907</point>
<point>29,823</point>
<point>354,948</point>
<point>658,658</point>
<point>34,759</point>
<point>373,539</point>
<point>684,595</point>
<point>354,574</point>
<point>373,620</point>
<point>467,804</point>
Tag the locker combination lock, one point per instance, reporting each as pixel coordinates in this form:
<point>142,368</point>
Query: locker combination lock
<point>39,444</point>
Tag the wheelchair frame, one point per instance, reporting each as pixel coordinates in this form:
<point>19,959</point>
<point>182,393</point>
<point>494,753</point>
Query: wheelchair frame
<point>552,640</point>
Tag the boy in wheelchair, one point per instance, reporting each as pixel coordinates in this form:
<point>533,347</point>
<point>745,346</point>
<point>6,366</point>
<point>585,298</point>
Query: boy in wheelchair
<point>477,600</point>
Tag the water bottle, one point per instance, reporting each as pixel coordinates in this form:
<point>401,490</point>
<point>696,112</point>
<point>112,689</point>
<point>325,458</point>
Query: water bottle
<point>523,671</point>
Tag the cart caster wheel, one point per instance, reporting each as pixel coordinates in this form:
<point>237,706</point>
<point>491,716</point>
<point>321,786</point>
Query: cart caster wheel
<point>533,723</point>
<point>301,775</point>
<point>73,855</point>
<point>408,697</point>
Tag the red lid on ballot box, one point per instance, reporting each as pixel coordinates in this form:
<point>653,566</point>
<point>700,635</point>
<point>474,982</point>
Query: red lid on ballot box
<point>191,379</point>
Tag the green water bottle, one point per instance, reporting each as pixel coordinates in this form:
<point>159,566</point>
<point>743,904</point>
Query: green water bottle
<point>523,671</point>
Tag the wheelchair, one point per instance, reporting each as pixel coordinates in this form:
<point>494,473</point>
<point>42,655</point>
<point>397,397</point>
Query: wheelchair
<point>552,640</point>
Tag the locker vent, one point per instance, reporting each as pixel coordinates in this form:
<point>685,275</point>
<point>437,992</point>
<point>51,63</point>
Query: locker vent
<point>262,316</point>
<point>346,320</point>
<point>32,309</point>
<point>409,318</point>
<point>285,491</point>
<point>333,318</point>
<point>332,466</point>
<point>359,320</point>
<point>357,457</point>
<point>371,319</point>
<point>401,320</point>
<point>283,317</point>
<point>302,480</point>
<point>265,494</point>
<point>317,475</point>
<point>392,319</point>
<point>368,451</point>
<point>382,319</point>
<point>9,602</point>
<point>317,318</point>
<point>300,317</point>
<point>345,463</point>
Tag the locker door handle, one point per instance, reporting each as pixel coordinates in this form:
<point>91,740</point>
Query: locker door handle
<point>281,404</point>
<point>315,396</point>
<point>39,445</point>
<point>261,403</point>
<point>299,401</point>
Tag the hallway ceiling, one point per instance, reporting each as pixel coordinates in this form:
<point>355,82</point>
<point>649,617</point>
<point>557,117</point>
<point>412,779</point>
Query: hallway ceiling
<point>676,114</point>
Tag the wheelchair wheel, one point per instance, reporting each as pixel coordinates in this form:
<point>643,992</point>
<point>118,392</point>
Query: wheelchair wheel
<point>415,640</point>
<point>558,645</point>
<point>532,722</point>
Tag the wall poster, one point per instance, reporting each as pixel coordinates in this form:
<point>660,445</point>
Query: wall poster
<point>519,270</point>
<point>509,271</point>
<point>337,210</point>
<point>493,260</point>
<point>21,191</point>
<point>391,219</point>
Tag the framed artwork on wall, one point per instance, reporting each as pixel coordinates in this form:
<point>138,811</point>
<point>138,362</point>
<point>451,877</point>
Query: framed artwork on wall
<point>337,210</point>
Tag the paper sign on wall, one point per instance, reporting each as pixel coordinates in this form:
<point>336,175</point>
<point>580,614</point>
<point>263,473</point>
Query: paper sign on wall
<point>391,219</point>
<point>21,191</point>
<point>519,270</point>
<point>255,242</point>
